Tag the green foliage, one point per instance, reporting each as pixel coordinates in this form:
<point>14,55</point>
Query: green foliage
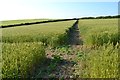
<point>97,28</point>
<point>23,47</point>
<point>102,63</point>
<point>63,39</point>
<point>37,29</point>
<point>79,54</point>
<point>52,34</point>
<point>104,38</point>
<point>114,39</point>
<point>20,59</point>
<point>56,58</point>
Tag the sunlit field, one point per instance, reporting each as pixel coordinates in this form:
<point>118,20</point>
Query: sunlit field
<point>102,60</point>
<point>25,47</point>
<point>11,22</point>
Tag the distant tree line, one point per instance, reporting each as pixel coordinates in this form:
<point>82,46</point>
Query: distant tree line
<point>102,17</point>
<point>57,20</point>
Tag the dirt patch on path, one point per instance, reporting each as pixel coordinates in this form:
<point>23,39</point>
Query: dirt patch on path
<point>57,65</point>
<point>61,62</point>
<point>74,35</point>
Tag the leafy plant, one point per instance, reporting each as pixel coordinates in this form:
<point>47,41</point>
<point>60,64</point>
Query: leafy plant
<point>20,59</point>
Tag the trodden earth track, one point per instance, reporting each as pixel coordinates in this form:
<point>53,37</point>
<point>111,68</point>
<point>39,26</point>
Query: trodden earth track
<point>61,63</point>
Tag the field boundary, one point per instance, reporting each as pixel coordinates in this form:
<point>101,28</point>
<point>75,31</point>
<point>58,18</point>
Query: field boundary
<point>31,23</point>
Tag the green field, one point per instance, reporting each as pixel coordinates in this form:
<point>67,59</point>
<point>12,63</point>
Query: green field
<point>26,47</point>
<point>27,41</point>
<point>11,22</point>
<point>102,58</point>
<point>47,28</point>
<point>97,26</point>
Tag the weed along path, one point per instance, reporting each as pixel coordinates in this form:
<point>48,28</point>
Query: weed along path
<point>62,61</point>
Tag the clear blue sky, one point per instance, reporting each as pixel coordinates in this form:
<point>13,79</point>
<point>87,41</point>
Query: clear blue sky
<point>24,9</point>
<point>80,9</point>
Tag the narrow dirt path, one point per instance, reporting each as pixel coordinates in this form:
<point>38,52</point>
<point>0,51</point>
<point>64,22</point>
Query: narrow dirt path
<point>62,62</point>
<point>74,35</point>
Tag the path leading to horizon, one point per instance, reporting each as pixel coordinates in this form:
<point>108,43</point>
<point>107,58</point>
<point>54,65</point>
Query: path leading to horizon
<point>63,61</point>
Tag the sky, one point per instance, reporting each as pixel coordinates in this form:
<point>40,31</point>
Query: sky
<point>31,9</point>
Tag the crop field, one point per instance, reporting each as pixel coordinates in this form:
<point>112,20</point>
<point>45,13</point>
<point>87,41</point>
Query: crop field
<point>27,43</point>
<point>41,50</point>
<point>97,26</point>
<point>47,28</point>
<point>10,22</point>
<point>102,35</point>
